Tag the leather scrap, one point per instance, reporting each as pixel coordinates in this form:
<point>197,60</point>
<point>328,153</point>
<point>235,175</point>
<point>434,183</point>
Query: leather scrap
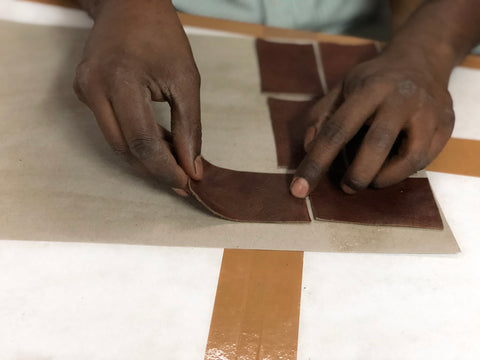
<point>248,196</point>
<point>289,122</point>
<point>288,68</point>
<point>409,203</point>
<point>338,59</point>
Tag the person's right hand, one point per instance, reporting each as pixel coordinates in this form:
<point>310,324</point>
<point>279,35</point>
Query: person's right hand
<point>137,52</point>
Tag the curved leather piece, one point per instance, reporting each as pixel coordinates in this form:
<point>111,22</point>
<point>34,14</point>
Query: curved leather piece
<point>409,203</point>
<point>288,68</point>
<point>248,196</point>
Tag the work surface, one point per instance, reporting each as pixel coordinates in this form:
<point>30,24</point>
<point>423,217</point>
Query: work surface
<point>61,178</point>
<point>73,300</point>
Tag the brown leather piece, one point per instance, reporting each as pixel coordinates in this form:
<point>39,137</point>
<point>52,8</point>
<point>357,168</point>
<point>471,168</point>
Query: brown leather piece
<point>337,59</point>
<point>248,196</point>
<point>289,122</point>
<point>288,68</point>
<point>409,203</point>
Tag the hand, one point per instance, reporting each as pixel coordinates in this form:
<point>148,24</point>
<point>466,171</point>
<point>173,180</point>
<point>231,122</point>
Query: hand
<point>138,52</point>
<point>393,93</point>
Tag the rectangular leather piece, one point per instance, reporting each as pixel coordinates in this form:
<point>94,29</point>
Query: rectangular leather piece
<point>337,59</point>
<point>248,196</point>
<point>409,203</point>
<point>288,68</point>
<point>289,122</point>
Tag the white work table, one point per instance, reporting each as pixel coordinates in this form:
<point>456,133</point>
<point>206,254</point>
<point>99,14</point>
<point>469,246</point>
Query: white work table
<point>110,301</point>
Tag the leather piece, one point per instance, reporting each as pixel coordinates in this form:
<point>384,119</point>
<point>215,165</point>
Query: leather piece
<point>257,306</point>
<point>459,156</point>
<point>288,68</point>
<point>337,59</point>
<point>289,122</point>
<point>248,196</point>
<point>409,203</point>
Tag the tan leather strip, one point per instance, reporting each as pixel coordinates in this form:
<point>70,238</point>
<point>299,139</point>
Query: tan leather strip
<point>471,61</point>
<point>257,306</point>
<point>460,156</point>
<point>263,31</point>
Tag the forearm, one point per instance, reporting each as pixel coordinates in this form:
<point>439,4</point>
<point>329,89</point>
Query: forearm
<point>441,32</point>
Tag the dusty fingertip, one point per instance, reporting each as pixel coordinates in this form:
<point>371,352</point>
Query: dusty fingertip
<point>299,187</point>
<point>198,166</point>
<point>180,192</point>
<point>347,189</point>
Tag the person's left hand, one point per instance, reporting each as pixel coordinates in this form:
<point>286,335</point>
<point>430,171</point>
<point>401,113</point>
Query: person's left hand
<point>392,94</point>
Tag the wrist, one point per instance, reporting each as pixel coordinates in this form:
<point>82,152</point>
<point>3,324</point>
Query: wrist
<point>96,8</point>
<point>425,53</point>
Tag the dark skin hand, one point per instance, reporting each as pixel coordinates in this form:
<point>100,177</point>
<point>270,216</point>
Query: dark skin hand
<point>403,89</point>
<point>138,52</point>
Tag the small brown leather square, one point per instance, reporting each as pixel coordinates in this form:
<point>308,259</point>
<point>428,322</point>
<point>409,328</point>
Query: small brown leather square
<point>409,203</point>
<point>289,122</point>
<point>337,59</point>
<point>248,196</point>
<point>288,68</point>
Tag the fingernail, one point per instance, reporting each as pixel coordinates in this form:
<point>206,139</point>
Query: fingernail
<point>347,189</point>
<point>180,192</point>
<point>309,136</point>
<point>198,167</point>
<point>299,187</point>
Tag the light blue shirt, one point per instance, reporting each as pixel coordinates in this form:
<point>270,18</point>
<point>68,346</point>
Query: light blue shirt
<point>330,16</point>
<point>365,18</point>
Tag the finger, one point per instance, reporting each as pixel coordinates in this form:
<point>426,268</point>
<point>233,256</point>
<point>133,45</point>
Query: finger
<point>439,141</point>
<point>413,153</point>
<point>132,108</point>
<point>442,134</point>
<point>321,111</point>
<point>374,149</point>
<point>332,137</point>
<point>105,117</point>
<point>186,125</point>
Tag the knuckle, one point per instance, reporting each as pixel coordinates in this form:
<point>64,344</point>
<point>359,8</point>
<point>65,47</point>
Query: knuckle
<point>381,137</point>
<point>356,182</point>
<point>333,133</point>
<point>186,75</point>
<point>143,148</point>
<point>406,88</point>
<point>120,149</point>
<point>353,82</point>
<point>448,118</point>
<point>417,160</point>
<point>84,77</point>
<point>121,75</point>
<point>369,82</point>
